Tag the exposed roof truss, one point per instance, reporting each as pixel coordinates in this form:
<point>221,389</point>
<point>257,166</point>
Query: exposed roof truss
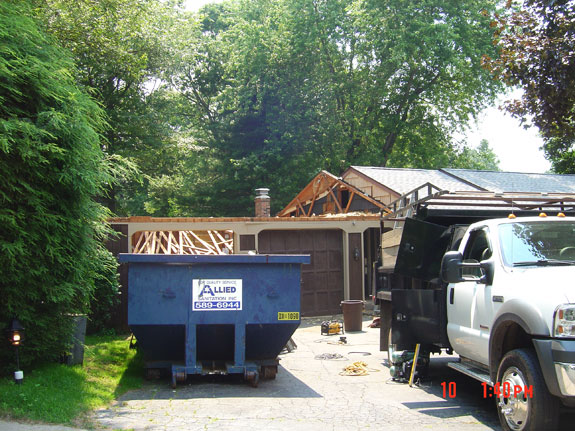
<point>326,185</point>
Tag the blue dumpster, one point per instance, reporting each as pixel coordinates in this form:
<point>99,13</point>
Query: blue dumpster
<point>206,314</point>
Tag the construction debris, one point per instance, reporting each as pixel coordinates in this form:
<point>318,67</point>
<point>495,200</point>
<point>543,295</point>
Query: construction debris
<point>329,357</point>
<point>184,242</point>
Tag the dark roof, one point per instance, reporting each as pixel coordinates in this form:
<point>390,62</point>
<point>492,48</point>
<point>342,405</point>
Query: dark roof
<point>403,180</point>
<point>516,181</point>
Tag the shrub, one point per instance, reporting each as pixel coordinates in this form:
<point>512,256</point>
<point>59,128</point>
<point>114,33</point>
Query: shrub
<point>51,168</point>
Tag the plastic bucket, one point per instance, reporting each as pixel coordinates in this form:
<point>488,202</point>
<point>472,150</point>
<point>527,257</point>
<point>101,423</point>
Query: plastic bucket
<point>352,315</point>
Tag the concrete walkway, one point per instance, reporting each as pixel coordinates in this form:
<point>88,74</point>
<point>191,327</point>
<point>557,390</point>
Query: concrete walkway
<point>16,426</point>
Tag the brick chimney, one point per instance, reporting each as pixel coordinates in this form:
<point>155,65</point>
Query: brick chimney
<point>262,201</point>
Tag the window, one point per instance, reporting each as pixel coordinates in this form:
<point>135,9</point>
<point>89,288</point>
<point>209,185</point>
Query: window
<point>476,250</point>
<point>524,242</point>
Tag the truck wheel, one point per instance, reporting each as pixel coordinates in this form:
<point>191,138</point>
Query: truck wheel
<point>523,401</point>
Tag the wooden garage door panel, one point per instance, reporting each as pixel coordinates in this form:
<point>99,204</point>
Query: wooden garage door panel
<point>308,280</point>
<point>335,299</point>
<point>293,243</point>
<point>306,242</point>
<point>307,303</point>
<point>334,242</point>
<point>335,259</point>
<point>320,240</point>
<point>322,303</point>
<point>322,279</point>
<point>320,259</point>
<point>333,277</point>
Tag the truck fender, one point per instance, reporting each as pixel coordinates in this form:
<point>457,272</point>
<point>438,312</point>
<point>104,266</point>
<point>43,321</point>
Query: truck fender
<point>513,313</point>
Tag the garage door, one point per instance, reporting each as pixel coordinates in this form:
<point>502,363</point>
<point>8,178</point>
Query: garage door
<point>322,280</point>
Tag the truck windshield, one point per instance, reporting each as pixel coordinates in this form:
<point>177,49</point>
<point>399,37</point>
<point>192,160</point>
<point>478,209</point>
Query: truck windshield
<point>539,243</point>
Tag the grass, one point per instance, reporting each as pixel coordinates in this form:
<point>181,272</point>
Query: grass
<point>64,394</point>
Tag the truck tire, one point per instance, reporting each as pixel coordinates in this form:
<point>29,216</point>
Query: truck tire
<point>532,408</point>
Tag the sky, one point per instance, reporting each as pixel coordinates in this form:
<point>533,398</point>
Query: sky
<point>517,149</point>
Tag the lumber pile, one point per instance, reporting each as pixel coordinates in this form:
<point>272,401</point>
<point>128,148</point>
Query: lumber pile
<point>184,242</point>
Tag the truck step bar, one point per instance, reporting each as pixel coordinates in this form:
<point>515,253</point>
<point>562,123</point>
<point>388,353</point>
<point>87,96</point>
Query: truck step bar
<point>471,371</point>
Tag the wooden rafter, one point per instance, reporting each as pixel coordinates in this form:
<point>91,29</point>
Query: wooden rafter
<point>184,242</point>
<point>299,205</point>
<point>324,184</point>
<point>349,201</point>
<point>336,200</point>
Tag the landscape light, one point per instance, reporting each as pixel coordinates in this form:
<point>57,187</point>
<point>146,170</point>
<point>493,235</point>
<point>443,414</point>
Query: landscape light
<point>16,336</point>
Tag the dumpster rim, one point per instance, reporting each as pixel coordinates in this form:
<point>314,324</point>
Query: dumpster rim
<point>223,258</point>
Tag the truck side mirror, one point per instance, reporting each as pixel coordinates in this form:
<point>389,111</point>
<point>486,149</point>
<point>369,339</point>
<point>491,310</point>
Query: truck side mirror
<point>451,265</point>
<point>488,268</point>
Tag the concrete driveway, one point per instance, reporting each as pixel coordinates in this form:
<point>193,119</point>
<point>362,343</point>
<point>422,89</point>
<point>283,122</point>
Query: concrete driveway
<point>309,394</point>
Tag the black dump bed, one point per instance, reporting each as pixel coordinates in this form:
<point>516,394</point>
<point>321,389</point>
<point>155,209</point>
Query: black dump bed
<point>417,230</point>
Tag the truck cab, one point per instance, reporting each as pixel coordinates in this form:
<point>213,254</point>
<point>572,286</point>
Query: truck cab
<point>511,310</point>
<point>498,292</point>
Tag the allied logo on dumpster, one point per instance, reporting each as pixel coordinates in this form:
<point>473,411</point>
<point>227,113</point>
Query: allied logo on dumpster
<point>216,295</point>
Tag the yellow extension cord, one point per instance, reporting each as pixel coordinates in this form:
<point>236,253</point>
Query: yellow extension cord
<point>359,368</point>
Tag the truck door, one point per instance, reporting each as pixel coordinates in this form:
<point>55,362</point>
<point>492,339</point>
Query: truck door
<point>418,303</point>
<point>467,319</point>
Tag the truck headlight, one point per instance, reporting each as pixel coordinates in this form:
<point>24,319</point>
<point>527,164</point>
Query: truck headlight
<point>564,321</point>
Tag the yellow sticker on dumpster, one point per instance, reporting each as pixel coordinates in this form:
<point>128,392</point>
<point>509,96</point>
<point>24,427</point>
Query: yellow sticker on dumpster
<point>288,315</point>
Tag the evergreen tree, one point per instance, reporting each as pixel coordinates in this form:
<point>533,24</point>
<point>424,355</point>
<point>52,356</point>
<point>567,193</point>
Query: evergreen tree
<point>51,167</point>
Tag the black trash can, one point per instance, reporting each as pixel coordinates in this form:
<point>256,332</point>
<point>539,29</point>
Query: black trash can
<point>352,315</point>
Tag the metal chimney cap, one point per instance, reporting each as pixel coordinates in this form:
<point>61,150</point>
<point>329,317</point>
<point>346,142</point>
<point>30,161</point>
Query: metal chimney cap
<point>262,192</point>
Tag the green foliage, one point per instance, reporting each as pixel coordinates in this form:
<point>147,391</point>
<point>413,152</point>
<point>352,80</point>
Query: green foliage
<point>481,158</point>
<point>64,394</point>
<point>561,153</point>
<point>259,93</point>
<point>277,90</point>
<point>51,167</point>
<point>122,49</point>
<point>105,297</point>
<point>536,39</point>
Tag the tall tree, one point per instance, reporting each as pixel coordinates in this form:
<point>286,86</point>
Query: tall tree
<point>282,89</point>
<point>536,39</point>
<point>481,158</point>
<point>122,49</point>
<point>51,168</point>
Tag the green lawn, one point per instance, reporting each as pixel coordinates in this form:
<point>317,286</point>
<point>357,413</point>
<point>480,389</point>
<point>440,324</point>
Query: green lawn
<point>64,394</point>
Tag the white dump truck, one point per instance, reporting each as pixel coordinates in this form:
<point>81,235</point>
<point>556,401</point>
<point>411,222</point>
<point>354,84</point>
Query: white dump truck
<point>491,278</point>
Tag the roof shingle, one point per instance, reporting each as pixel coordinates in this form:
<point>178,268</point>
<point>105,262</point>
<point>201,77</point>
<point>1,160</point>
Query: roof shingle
<point>403,180</point>
<point>516,181</point>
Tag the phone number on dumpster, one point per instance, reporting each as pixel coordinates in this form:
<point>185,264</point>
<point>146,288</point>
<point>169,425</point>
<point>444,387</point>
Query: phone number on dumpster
<point>216,294</point>
<point>229,305</point>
